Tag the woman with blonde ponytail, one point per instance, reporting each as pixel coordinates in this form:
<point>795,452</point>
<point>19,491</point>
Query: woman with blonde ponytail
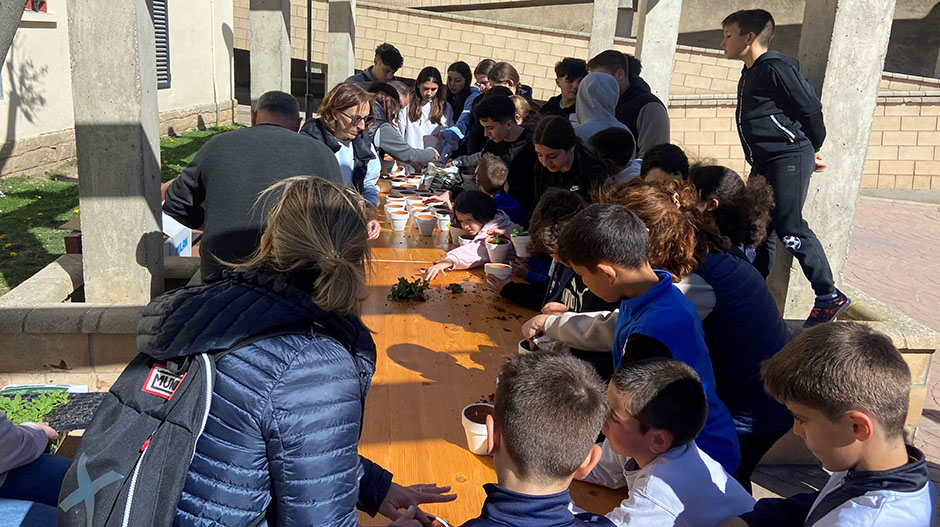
<point>280,443</point>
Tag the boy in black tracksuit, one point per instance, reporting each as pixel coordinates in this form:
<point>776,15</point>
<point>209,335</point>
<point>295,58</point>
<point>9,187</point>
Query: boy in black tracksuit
<point>780,124</point>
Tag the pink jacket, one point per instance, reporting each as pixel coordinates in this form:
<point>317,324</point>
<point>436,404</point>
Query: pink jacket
<point>19,445</point>
<point>474,253</point>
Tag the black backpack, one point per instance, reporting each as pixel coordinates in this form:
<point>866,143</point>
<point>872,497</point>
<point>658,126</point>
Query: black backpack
<point>134,457</point>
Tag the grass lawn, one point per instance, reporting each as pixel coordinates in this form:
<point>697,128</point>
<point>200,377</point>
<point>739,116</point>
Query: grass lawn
<point>34,206</point>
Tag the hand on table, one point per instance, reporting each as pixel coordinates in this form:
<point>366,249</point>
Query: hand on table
<point>554,308</point>
<point>820,166</point>
<point>443,197</point>
<point>440,267</point>
<point>410,497</point>
<point>373,229</point>
<point>534,327</point>
<point>495,283</point>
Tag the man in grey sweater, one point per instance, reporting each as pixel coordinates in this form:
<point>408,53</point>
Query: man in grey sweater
<point>218,189</point>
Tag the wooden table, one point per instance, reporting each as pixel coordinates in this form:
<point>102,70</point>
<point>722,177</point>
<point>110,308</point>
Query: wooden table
<point>434,358</point>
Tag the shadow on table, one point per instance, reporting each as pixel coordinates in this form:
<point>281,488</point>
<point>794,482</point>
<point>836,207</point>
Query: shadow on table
<point>433,404</point>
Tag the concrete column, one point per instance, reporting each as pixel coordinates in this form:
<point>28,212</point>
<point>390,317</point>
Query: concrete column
<point>114,92</point>
<point>341,43</point>
<point>842,53</point>
<point>657,34</point>
<point>603,26</point>
<point>270,46</point>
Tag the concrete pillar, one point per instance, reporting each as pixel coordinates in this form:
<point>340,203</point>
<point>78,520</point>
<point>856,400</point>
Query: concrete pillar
<point>270,46</point>
<point>603,26</point>
<point>114,93</point>
<point>842,53</point>
<point>657,34</point>
<point>341,44</point>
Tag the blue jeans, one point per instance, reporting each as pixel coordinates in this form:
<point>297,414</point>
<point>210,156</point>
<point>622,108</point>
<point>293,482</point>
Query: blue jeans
<point>37,482</point>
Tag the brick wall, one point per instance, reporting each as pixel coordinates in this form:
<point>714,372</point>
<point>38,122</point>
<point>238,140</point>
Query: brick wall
<point>905,140</point>
<point>903,152</point>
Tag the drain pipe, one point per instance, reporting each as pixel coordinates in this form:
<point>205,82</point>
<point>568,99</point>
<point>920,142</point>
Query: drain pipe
<point>308,97</point>
<point>215,89</point>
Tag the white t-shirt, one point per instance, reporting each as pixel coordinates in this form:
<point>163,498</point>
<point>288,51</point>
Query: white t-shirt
<point>420,133</point>
<point>683,487</point>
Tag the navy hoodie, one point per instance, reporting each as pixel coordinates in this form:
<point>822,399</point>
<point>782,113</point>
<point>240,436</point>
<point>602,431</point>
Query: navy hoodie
<point>664,314</point>
<point>778,111</point>
<point>504,507</point>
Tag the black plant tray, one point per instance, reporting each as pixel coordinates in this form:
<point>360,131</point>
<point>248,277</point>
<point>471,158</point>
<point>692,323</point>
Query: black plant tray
<point>76,414</point>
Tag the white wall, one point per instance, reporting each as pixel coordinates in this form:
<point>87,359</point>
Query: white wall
<point>197,33</point>
<point>37,87</point>
<point>37,96</point>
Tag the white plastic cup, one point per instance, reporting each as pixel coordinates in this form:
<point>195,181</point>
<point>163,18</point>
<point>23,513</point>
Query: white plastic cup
<point>465,239</point>
<point>519,243</point>
<point>426,224</point>
<point>443,220</point>
<point>399,220</point>
<point>500,270</point>
<point>476,431</point>
<point>455,234</point>
<point>498,252</point>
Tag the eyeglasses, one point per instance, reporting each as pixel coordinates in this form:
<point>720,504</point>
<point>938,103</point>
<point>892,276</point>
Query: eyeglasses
<point>355,120</point>
<point>481,84</point>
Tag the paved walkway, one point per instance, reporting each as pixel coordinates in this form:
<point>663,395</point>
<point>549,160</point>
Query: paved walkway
<point>894,257</point>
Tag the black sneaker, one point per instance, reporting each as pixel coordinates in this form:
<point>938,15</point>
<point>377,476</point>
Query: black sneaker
<point>827,310</point>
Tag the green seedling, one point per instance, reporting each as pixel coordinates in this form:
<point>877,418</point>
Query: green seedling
<point>405,290</point>
<point>496,240</point>
<point>520,231</point>
<point>32,410</point>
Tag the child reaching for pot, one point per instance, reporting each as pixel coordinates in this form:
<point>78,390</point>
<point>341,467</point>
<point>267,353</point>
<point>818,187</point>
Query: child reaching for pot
<point>478,215</point>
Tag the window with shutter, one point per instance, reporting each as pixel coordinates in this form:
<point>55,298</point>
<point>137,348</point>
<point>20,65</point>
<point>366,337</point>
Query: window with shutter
<point>161,29</point>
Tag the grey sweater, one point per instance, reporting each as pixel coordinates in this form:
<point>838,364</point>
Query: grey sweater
<point>219,187</point>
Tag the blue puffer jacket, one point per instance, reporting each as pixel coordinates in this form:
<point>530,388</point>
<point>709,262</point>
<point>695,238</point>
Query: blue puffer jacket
<point>286,414</point>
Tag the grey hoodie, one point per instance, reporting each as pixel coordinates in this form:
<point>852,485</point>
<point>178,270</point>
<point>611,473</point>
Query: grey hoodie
<point>597,100</point>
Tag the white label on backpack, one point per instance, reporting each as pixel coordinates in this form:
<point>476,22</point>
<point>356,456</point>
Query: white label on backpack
<point>162,382</point>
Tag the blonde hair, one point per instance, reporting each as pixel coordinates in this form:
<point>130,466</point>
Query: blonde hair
<point>343,96</point>
<point>316,234</point>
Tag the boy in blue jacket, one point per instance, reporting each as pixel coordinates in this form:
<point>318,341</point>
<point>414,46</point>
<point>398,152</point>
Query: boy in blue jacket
<point>607,245</point>
<point>848,390</point>
<point>548,410</point>
<point>780,124</point>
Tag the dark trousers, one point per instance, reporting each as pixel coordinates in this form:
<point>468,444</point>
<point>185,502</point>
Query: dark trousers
<point>789,176</point>
<point>753,448</point>
<point>38,484</point>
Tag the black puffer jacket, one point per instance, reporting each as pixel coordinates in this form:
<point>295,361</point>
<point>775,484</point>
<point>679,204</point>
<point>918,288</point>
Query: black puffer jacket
<point>778,111</point>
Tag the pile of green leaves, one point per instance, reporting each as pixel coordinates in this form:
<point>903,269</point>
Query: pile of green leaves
<point>405,290</point>
<point>520,231</point>
<point>455,288</point>
<point>32,410</point>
